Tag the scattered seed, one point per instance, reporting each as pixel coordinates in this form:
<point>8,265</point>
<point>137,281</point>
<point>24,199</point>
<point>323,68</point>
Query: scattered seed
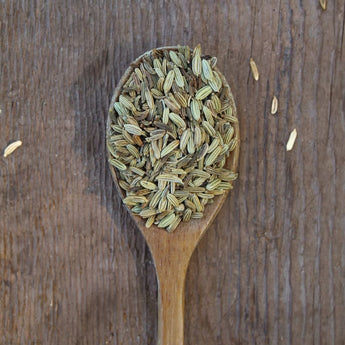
<point>254,69</point>
<point>291,141</point>
<point>12,147</point>
<point>274,106</point>
<point>323,4</point>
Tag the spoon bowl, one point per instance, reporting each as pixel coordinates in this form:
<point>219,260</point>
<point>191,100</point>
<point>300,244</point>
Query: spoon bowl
<point>171,252</point>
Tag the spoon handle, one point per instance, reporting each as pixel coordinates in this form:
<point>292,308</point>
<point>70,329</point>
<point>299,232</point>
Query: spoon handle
<point>171,259</point>
<point>171,306</point>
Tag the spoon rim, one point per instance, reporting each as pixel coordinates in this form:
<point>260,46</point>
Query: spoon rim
<point>200,225</point>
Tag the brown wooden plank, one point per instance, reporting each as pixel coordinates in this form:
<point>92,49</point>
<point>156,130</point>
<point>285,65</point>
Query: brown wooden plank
<point>73,267</point>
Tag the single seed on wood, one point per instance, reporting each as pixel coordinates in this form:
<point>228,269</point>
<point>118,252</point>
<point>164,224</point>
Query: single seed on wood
<point>291,141</point>
<point>323,4</point>
<point>254,69</point>
<point>11,147</point>
<point>274,106</point>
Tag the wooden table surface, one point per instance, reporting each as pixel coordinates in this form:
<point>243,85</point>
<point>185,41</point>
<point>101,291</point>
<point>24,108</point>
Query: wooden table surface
<point>73,267</point>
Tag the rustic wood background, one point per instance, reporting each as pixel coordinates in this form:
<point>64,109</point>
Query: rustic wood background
<point>73,267</point>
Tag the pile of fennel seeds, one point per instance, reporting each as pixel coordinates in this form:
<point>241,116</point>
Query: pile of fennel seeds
<point>171,131</point>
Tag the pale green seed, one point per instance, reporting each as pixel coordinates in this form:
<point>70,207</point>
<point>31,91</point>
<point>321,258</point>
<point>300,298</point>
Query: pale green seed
<point>190,146</point>
<point>156,93</point>
<point>166,221</point>
<point>120,109</point>
<point>148,212</point>
<point>117,164</point>
<point>174,224</point>
<point>134,199</point>
<point>133,150</point>
<point>195,110</point>
<point>149,99</point>
<point>162,205</point>
<point>197,136</point>
<point>196,61</point>
<point>155,199</point>
<point>133,129</point>
<point>209,129</point>
<point>187,215</point>
<point>148,185</point>
<point>216,82</point>
<point>178,77</point>
<point>127,136</point>
<point>169,178</point>
<point>197,215</point>
<point>225,149</point>
<point>168,81</point>
<point>229,176</point>
<point>199,181</point>
<point>159,72</point>
<point>213,145</point>
<point>137,171</point>
<point>224,185</point>
<point>213,185</point>
<point>181,99</point>
<point>203,92</point>
<point>165,116</point>
<point>175,59</point>
<point>228,135</point>
<point>181,193</point>
<point>195,189</point>
<point>136,209</point>
<point>213,62</point>
<point>139,74</point>
<point>184,139</point>
<point>126,102</point>
<point>189,204</point>
<point>207,70</point>
<point>171,147</point>
<point>178,171</point>
<point>150,221</point>
<point>177,120</point>
<point>172,199</point>
<point>217,104</point>
<point>197,203</point>
<point>180,207</point>
<point>124,185</point>
<point>200,173</point>
<point>233,144</point>
<point>117,128</point>
<point>228,115</point>
<point>206,195</point>
<point>111,149</point>
<point>210,158</point>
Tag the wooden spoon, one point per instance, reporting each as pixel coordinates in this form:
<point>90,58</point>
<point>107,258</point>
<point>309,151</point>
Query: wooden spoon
<point>171,252</point>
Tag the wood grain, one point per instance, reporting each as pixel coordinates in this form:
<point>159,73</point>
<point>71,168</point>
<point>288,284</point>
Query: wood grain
<point>73,267</point>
